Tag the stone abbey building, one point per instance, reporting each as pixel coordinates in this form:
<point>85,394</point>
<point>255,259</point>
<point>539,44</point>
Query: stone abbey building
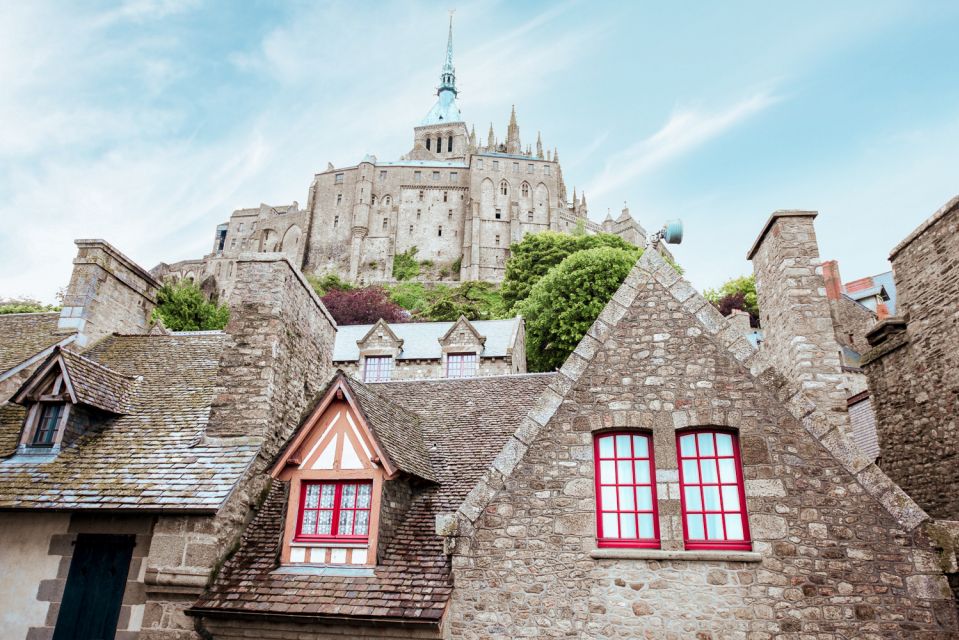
<point>457,200</point>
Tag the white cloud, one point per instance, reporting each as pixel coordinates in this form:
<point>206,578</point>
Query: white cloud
<point>685,130</point>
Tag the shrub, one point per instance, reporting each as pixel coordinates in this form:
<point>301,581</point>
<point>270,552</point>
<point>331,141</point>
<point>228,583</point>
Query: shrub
<point>363,306</point>
<point>405,266</point>
<point>183,307</point>
<point>25,305</point>
<point>736,293</point>
<point>327,282</point>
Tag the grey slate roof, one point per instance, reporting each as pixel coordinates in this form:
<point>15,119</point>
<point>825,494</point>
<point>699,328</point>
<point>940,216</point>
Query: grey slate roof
<point>421,339</point>
<point>23,335</point>
<point>99,386</point>
<point>151,458</point>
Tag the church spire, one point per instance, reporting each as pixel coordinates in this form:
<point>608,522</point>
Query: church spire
<point>491,141</point>
<point>448,77</point>
<point>513,144</point>
<point>539,146</point>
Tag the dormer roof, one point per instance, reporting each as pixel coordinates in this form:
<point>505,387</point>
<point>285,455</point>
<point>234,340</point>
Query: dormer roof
<point>462,328</point>
<point>421,340</point>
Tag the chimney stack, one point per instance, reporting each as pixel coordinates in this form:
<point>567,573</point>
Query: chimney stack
<point>830,275</point>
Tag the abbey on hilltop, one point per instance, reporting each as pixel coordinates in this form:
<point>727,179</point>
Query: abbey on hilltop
<point>454,201</point>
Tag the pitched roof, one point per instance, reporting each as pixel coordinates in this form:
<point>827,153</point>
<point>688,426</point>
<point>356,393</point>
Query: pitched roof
<point>151,458</point>
<point>91,383</point>
<point>465,423</point>
<point>24,335</point>
<point>421,339</point>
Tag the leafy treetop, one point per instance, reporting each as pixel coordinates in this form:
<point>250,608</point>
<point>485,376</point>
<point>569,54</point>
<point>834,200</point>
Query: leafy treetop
<point>736,293</point>
<point>183,307</point>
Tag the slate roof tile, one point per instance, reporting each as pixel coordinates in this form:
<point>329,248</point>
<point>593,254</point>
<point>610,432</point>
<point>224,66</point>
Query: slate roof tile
<point>464,424</point>
<point>24,335</point>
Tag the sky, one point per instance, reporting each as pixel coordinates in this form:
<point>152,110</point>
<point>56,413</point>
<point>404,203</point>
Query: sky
<point>148,122</point>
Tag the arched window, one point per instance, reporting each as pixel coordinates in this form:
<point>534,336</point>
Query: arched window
<point>439,144</point>
<point>504,188</point>
<point>428,142</point>
<point>449,143</point>
<point>525,189</point>
<point>711,490</point>
<point>387,200</point>
<point>626,509</point>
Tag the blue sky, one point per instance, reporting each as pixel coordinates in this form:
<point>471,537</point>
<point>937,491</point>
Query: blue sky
<point>147,122</point>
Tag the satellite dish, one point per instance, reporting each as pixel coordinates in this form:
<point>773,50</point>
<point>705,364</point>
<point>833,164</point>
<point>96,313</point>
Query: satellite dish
<point>673,231</point>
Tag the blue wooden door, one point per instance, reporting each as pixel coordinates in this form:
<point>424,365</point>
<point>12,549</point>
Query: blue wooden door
<point>94,589</point>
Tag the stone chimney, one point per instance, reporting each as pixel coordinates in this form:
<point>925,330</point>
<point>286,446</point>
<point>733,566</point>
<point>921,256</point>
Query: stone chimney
<point>832,279</point>
<point>799,338</point>
<point>108,293</point>
<point>278,356</point>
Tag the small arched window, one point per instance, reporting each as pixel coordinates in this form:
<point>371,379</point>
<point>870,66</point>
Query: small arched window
<point>449,143</point>
<point>504,188</point>
<point>429,141</point>
<point>373,200</point>
<point>525,189</point>
<point>387,200</point>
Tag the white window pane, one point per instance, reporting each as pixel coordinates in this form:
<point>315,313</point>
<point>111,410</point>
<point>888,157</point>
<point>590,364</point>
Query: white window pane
<point>606,447</point>
<point>731,498</point>
<point>690,471</point>
<point>687,446</point>
<point>326,497</point>
<point>627,525</point>
<point>694,501</point>
<point>324,523</point>
<point>724,444</point>
<point>727,470</point>
<point>346,523</point>
<point>623,450</point>
<point>309,523</point>
<point>714,526</point>
<point>734,526</point>
<point>644,498</point>
<point>625,468</point>
<point>348,498</point>
<point>707,467</point>
<point>711,498</point>
<point>363,499</point>
<point>706,444</point>
<point>646,525</point>
<point>362,526</point>
<point>608,501</point>
<point>642,471</point>
<point>626,502</point>
<point>607,472</point>
<point>694,527</point>
<point>312,496</point>
<point>640,447</point>
<point>610,525</point>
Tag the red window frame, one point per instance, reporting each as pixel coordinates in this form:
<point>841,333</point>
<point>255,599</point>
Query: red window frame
<point>725,490</point>
<point>337,509</point>
<point>619,483</point>
<point>466,365</point>
<point>381,370</point>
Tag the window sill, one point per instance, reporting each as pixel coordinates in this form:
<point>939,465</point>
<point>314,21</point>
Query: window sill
<point>682,554</point>
<point>325,570</point>
<point>329,543</point>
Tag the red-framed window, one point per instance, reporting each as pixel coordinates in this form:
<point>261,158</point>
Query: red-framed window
<point>335,510</point>
<point>377,368</point>
<point>461,365</point>
<point>626,513</point>
<point>711,490</point>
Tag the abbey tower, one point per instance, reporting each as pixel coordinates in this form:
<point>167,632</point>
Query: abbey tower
<point>456,201</point>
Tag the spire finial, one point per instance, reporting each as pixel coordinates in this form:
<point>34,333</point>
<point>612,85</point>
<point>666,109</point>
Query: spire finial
<point>448,77</point>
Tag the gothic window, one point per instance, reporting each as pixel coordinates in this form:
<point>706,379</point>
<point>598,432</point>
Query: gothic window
<point>449,143</point>
<point>429,142</point>
<point>625,490</point>
<point>334,511</point>
<point>515,167</point>
<point>445,196</point>
<point>377,368</point>
<point>387,200</point>
<point>504,187</point>
<point>417,176</point>
<point>47,424</point>
<point>338,178</point>
<point>525,189</point>
<point>439,230</point>
<point>711,490</point>
<point>461,365</point>
<point>498,214</point>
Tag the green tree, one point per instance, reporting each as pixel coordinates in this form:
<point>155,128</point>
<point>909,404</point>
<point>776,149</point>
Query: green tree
<point>537,253</point>
<point>405,266</point>
<point>736,293</point>
<point>183,307</point>
<point>475,300</point>
<point>25,305</point>
<point>563,304</point>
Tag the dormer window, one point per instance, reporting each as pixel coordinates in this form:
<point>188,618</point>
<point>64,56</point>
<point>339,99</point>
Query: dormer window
<point>47,424</point>
<point>377,368</point>
<point>334,511</point>
<point>461,365</point>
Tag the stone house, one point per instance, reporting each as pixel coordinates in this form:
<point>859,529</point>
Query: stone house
<point>381,352</point>
<point>668,481</point>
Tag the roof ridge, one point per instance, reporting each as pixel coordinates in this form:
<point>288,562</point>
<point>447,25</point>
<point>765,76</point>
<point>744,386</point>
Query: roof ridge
<point>351,381</point>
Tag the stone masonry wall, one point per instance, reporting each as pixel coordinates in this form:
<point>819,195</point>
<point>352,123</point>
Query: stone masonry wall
<point>276,361</point>
<point>829,561</point>
<point>914,374</point>
<point>108,293</point>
